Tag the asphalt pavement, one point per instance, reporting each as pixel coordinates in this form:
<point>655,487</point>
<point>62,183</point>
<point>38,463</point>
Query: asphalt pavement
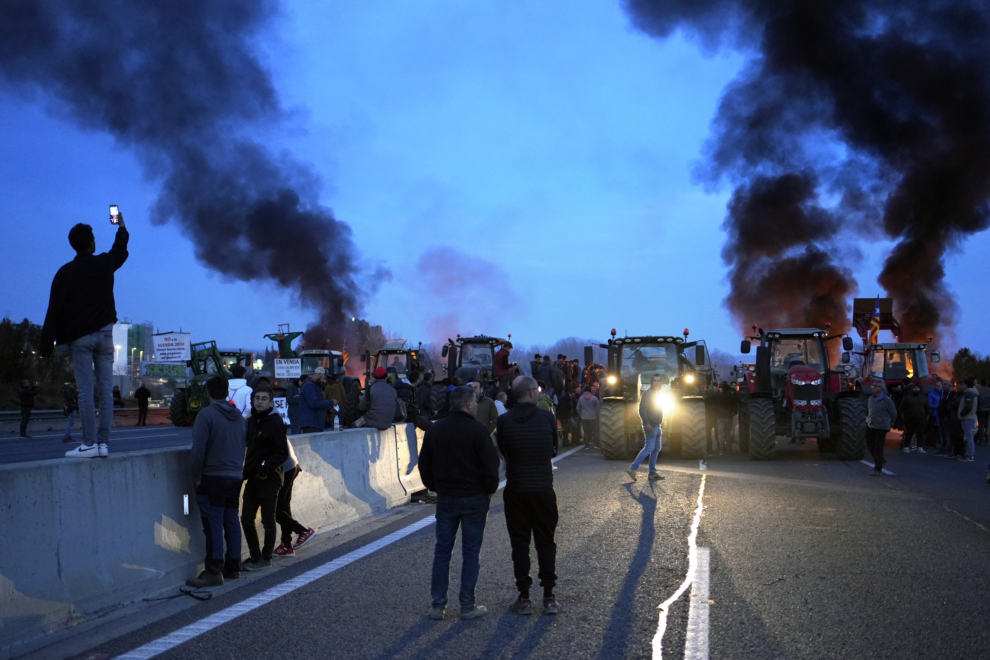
<point>810,557</point>
<point>46,445</point>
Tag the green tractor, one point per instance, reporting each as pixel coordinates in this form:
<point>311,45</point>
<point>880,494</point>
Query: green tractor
<point>309,360</point>
<point>187,401</point>
<point>687,380</point>
<point>399,362</point>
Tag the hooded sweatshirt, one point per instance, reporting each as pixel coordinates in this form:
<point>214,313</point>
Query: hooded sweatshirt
<point>587,406</point>
<point>527,438</point>
<point>219,436</point>
<point>239,394</point>
<point>267,446</point>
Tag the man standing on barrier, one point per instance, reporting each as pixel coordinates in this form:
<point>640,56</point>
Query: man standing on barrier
<point>527,438</point>
<point>458,461</point>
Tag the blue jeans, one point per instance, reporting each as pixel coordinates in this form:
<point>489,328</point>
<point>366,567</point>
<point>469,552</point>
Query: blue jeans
<point>72,422</point>
<point>652,448</point>
<point>969,430</point>
<point>471,513</point>
<point>218,499</point>
<point>92,363</point>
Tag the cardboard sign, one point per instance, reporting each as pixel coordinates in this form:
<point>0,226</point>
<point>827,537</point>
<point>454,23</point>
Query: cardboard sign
<point>282,407</point>
<point>288,368</point>
<point>172,347</point>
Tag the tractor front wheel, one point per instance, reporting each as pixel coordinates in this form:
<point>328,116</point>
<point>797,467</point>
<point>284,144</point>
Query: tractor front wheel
<point>613,431</point>
<point>852,420</point>
<point>691,420</point>
<point>177,410</point>
<point>762,430</point>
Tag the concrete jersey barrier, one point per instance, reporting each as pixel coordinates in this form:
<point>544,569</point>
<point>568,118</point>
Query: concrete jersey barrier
<point>82,537</point>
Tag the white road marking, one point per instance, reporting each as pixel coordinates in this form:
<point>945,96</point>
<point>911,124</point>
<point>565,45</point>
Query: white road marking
<point>688,579</point>
<point>170,641</point>
<point>696,644</point>
<point>884,470</point>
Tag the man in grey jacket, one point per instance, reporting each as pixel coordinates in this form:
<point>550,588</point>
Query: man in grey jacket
<point>880,416</point>
<point>217,465</point>
<point>379,403</point>
<point>968,405</point>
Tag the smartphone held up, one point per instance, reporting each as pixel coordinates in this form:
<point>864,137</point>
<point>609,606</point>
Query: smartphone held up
<point>114,214</point>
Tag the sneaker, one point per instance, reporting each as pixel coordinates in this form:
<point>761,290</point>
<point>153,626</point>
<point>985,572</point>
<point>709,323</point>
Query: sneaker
<point>205,579</point>
<point>475,612</point>
<point>906,450</point>
<point>632,473</point>
<point>25,436</point>
<point>258,564</point>
<point>231,574</point>
<point>104,450</point>
<point>83,451</point>
<point>654,476</point>
<point>522,606</point>
<point>550,606</point>
<point>284,550</point>
<point>876,473</point>
<point>963,459</point>
<point>67,439</point>
<point>304,538</point>
<point>920,450</point>
<point>436,613</point>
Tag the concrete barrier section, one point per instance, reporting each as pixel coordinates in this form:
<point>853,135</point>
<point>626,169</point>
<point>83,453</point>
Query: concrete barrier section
<point>81,537</point>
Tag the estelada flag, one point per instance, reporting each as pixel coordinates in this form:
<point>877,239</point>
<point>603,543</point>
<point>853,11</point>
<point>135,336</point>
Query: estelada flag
<point>875,324</point>
<point>343,354</point>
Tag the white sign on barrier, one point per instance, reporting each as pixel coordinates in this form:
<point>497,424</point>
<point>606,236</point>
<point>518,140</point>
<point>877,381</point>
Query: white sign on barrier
<point>288,368</point>
<point>282,408</point>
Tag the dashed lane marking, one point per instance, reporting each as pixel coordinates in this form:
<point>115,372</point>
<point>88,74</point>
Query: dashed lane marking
<point>696,644</point>
<point>217,619</point>
<point>688,579</point>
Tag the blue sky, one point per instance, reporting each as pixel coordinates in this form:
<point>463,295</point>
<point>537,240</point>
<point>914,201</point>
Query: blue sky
<point>521,168</point>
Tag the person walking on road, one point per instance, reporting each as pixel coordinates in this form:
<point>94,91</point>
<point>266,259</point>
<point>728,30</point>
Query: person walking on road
<point>914,412</point>
<point>458,461</point>
<point>527,438</point>
<point>283,510</point>
<point>651,413</point>
<point>27,394</point>
<point>80,318</point>
<point>217,463</point>
<point>143,395</point>
<point>880,416</point>
<point>70,403</point>
<point>968,407</point>
<point>267,451</point>
<point>487,412</point>
<point>312,405</point>
<point>587,407</point>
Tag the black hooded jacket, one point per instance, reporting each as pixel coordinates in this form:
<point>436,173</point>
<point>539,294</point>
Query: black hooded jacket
<point>458,458</point>
<point>267,446</point>
<point>527,438</point>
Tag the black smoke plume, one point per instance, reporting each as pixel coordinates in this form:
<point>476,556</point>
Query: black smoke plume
<point>885,103</point>
<point>181,84</point>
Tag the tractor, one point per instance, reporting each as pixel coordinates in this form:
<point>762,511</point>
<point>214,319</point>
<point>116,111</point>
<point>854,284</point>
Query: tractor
<point>187,401</point>
<point>687,381</point>
<point>399,361</point>
<point>893,363</point>
<point>471,358</point>
<point>309,359</point>
<point>792,392</point>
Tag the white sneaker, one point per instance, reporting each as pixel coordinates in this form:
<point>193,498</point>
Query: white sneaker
<point>104,450</point>
<point>906,450</point>
<point>920,450</point>
<point>83,451</point>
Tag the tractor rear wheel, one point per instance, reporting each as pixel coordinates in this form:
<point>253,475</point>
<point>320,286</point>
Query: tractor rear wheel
<point>851,444</point>
<point>177,410</point>
<point>691,419</point>
<point>762,430</point>
<point>613,431</point>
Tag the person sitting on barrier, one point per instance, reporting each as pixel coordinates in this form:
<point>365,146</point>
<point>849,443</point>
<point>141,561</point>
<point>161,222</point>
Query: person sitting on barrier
<point>217,464</point>
<point>312,405</point>
<point>458,461</point>
<point>239,392</point>
<point>379,403</point>
<point>424,395</point>
<point>267,451</point>
<point>283,510</point>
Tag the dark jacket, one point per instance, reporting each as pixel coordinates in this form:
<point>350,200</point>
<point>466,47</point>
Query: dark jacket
<point>527,438</point>
<point>27,395</point>
<point>219,437</point>
<point>379,402</point>
<point>424,400</point>
<point>142,395</point>
<point>458,458</point>
<point>649,409</point>
<point>81,299</point>
<point>881,412</point>
<point>501,366</point>
<point>914,406</point>
<point>267,447</point>
<point>312,406</point>
<point>487,413</point>
<point>70,398</point>
<point>545,373</point>
<point>407,393</point>
<point>351,411</point>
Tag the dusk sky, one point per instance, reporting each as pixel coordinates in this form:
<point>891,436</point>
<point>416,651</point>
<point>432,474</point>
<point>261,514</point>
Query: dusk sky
<point>521,168</point>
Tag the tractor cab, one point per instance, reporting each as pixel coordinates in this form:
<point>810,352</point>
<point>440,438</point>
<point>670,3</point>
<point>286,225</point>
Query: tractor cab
<point>896,363</point>
<point>399,362</point>
<point>472,358</point>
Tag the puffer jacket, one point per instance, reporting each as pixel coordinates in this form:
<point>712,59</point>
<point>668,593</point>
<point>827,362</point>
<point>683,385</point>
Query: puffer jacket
<point>915,406</point>
<point>881,412</point>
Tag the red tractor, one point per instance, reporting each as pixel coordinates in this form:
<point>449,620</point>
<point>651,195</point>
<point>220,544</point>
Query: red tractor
<point>792,392</point>
<point>893,363</point>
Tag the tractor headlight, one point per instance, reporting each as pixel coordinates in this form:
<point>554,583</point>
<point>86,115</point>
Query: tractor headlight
<point>817,381</point>
<point>664,401</point>
<point>612,380</point>
<point>689,378</point>
<point>816,402</point>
